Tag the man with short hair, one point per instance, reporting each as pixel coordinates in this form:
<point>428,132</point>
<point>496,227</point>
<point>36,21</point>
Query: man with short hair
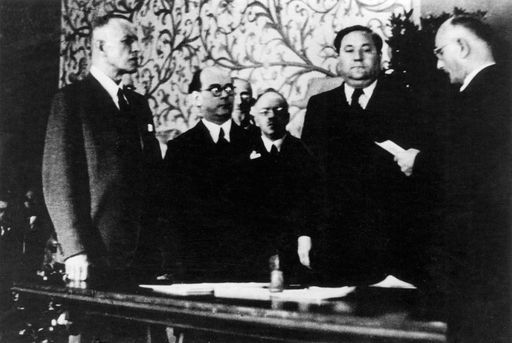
<point>101,158</point>
<point>280,189</point>
<point>199,164</point>
<point>242,103</point>
<point>367,196</point>
<point>478,184</point>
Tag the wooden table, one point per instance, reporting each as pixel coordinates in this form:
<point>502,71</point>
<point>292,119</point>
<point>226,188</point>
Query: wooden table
<point>368,315</point>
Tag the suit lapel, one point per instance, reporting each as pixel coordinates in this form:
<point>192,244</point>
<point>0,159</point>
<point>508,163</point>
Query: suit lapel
<point>260,148</point>
<point>104,114</point>
<point>286,148</point>
<point>339,98</point>
<point>202,136</point>
<point>97,97</point>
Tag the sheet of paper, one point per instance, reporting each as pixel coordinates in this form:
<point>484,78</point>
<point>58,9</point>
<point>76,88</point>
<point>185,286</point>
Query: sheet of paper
<point>391,147</point>
<point>204,288</point>
<point>241,292</point>
<point>311,294</point>
<point>392,282</point>
<point>182,289</point>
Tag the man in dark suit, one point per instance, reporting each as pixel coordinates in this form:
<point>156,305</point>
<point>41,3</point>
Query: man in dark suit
<point>242,103</point>
<point>279,188</point>
<point>477,183</point>
<point>367,196</point>
<point>200,165</point>
<point>100,158</point>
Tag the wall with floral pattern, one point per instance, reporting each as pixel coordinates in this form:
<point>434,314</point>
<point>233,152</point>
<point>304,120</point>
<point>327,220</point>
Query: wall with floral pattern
<point>273,43</point>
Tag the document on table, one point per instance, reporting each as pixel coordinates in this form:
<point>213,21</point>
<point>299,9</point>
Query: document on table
<point>391,147</point>
<point>311,294</point>
<point>204,288</point>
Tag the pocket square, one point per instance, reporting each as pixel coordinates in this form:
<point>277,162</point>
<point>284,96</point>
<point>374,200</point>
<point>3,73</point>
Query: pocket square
<point>254,155</point>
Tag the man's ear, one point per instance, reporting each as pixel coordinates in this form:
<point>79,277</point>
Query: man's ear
<point>465,48</point>
<point>99,44</point>
<point>197,99</point>
<point>253,115</point>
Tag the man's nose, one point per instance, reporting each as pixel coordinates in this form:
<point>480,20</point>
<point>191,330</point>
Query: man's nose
<point>224,93</point>
<point>358,55</point>
<point>135,46</point>
<point>440,64</point>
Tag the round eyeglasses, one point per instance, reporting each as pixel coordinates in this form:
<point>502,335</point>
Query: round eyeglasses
<point>275,110</point>
<point>217,89</point>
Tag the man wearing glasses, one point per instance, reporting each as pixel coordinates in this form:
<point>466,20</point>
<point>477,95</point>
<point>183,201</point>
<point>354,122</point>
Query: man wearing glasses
<point>280,190</point>
<point>199,166</point>
<point>478,184</point>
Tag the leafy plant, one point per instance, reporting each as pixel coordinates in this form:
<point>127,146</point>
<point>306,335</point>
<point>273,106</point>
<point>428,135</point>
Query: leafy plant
<point>412,45</point>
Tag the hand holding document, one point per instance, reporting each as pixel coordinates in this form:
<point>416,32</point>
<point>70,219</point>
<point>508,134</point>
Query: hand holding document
<point>404,158</point>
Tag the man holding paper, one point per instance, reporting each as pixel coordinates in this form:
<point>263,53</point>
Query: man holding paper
<point>355,130</point>
<point>478,183</point>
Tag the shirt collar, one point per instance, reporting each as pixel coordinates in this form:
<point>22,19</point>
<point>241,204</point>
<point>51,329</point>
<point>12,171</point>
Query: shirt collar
<point>214,129</point>
<point>106,82</point>
<point>267,142</point>
<point>368,91</point>
<point>474,73</point>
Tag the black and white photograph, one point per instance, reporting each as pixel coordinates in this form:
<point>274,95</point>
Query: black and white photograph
<point>180,171</point>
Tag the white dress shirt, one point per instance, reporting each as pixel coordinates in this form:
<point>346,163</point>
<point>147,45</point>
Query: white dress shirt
<point>267,142</point>
<point>106,82</point>
<point>214,129</point>
<point>364,98</point>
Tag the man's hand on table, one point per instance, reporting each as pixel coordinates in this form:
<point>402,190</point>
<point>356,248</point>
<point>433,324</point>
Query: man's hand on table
<point>77,267</point>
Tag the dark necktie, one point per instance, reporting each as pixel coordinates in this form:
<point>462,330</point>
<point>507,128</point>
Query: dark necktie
<point>273,151</point>
<point>129,140</point>
<point>355,99</point>
<point>121,100</point>
<point>222,140</point>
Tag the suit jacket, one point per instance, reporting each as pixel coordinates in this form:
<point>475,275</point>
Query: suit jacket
<point>96,176</point>
<point>201,209</point>
<point>366,193</point>
<point>477,212</point>
<point>280,201</point>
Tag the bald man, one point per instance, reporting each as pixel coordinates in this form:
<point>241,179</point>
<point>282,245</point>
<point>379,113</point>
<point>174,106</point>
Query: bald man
<point>199,165</point>
<point>100,157</point>
<point>477,183</point>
